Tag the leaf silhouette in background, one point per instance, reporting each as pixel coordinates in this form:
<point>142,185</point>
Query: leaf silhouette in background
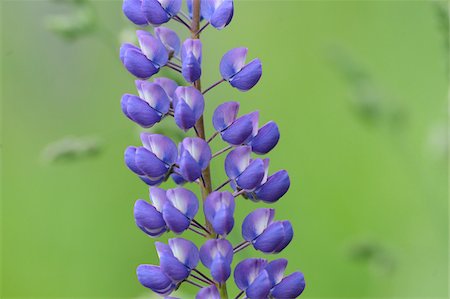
<point>71,149</point>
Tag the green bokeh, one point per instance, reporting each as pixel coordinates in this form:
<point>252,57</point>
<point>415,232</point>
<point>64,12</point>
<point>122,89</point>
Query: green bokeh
<point>359,90</point>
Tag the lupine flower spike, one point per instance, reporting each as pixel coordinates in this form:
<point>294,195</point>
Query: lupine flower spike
<point>159,158</point>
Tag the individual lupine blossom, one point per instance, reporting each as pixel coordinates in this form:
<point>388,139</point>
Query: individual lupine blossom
<point>174,210</point>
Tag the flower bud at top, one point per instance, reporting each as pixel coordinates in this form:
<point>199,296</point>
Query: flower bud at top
<point>191,56</point>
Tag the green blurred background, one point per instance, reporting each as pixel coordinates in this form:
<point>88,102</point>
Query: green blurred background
<point>359,90</point>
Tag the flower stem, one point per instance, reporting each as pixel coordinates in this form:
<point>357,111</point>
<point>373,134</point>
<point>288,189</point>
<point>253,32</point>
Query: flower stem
<point>225,149</point>
<point>239,295</point>
<point>200,127</point>
<point>214,85</point>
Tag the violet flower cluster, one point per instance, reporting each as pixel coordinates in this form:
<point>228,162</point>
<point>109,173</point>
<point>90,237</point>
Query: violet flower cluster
<point>159,159</point>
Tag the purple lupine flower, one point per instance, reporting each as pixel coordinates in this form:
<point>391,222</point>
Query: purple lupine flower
<point>159,158</point>
<point>155,12</point>
<point>154,160</point>
<point>219,210</point>
<point>145,61</point>
<point>195,155</point>
<point>188,105</point>
<point>191,55</point>
<point>169,39</point>
<point>217,255</point>
<point>264,234</point>
<point>153,277</point>
<point>261,279</point>
<point>179,209</point>
<point>218,12</point>
<point>244,172</point>
<point>149,217</point>
<point>240,75</point>
<point>210,292</point>
<point>178,258</point>
<point>150,107</point>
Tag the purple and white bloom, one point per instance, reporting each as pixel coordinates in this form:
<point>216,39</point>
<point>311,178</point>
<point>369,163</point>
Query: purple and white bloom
<point>150,107</point>
<point>155,12</point>
<point>179,209</point>
<point>242,130</point>
<point>152,277</point>
<point>264,234</point>
<point>188,105</point>
<point>145,61</point>
<point>244,172</point>
<point>219,210</point>
<point>168,85</point>
<point>210,292</point>
<point>178,258</point>
<point>272,187</point>
<point>191,56</point>
<point>195,155</point>
<point>262,279</point>
<point>240,75</point>
<point>218,12</point>
<point>153,161</point>
<point>149,217</point>
<point>169,39</point>
<point>265,139</point>
<point>217,255</point>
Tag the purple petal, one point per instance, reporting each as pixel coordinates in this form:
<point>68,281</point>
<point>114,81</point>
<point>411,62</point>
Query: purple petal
<point>152,277</point>
<point>290,287</point>
<point>124,48</point>
<point>163,147</point>
<point>216,247</point>
<point>199,150</point>
<point>275,270</point>
<point>185,251</point>
<point>252,176</point>
<point>237,161</point>
<point>133,11</point>
<point>220,269</point>
<point>260,287</point>
<point>207,7</point>
<point>154,95</point>
<point>137,63</point>
<point>193,98</point>
<point>189,168</point>
<point>210,292</point>
<point>274,238</point>
<point>176,220</point>
<point>152,47</point>
<point>222,15</point>
<point>247,271</point>
<point>266,138</point>
<point>242,130</point>
<point>139,111</point>
<point>158,197</point>
<point>178,179</point>
<point>130,160</point>
<point>184,116</point>
<point>232,62</point>
<point>173,268</point>
<point>256,222</point>
<point>191,68</point>
<point>193,46</point>
<point>148,219</point>
<point>219,209</point>
<point>163,249</point>
<point>149,163</point>
<point>224,115</point>
<point>169,38</point>
<point>152,181</point>
<point>183,200</point>
<point>168,85</point>
<point>248,76</point>
<point>288,235</point>
<point>171,6</point>
<point>274,188</point>
<point>154,12</point>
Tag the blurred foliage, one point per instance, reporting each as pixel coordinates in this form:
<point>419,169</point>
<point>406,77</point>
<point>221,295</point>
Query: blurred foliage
<point>377,257</point>
<point>81,21</point>
<point>71,149</point>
